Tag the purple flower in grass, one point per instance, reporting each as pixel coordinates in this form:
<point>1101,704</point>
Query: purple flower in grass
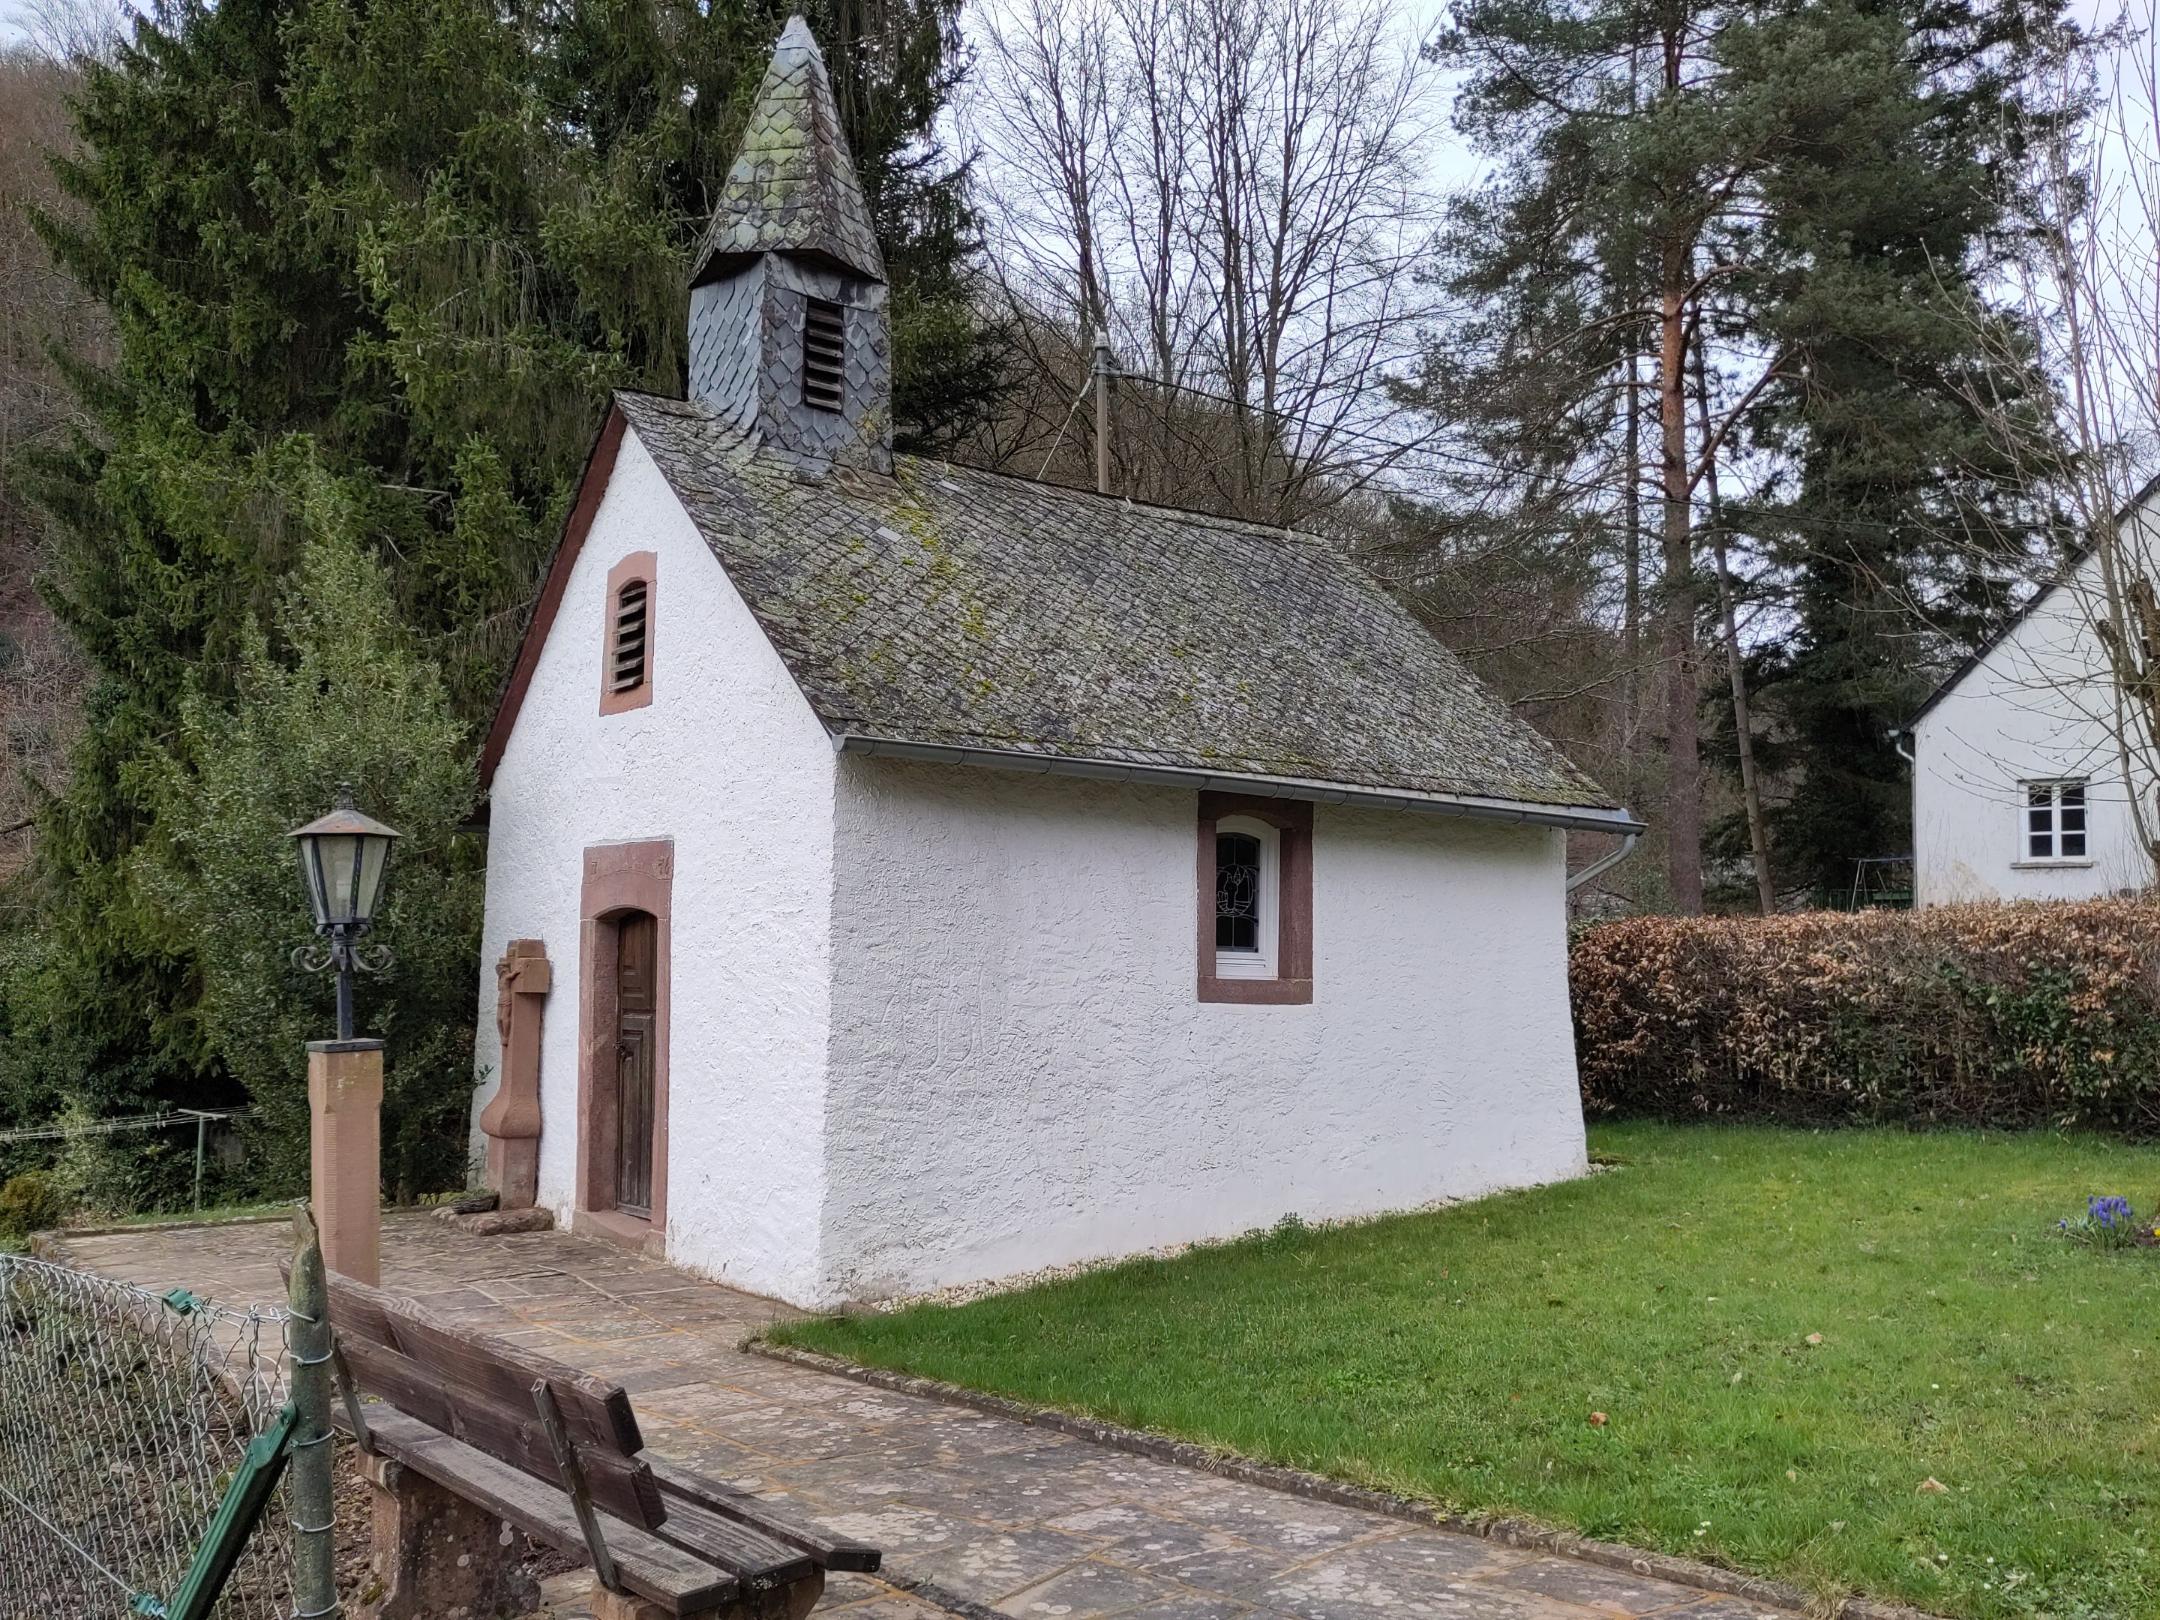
<point>2107,1211</point>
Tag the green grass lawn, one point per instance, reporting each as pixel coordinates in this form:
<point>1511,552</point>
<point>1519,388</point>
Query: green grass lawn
<point>1458,1356</point>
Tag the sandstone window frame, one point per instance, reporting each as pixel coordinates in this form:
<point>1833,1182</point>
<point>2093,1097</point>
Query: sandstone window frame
<point>1283,976</point>
<point>636,576</point>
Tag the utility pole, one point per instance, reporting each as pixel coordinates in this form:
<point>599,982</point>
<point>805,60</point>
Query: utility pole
<point>1102,374</point>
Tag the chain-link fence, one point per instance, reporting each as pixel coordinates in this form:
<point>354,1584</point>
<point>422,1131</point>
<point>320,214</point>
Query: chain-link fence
<point>124,1416</point>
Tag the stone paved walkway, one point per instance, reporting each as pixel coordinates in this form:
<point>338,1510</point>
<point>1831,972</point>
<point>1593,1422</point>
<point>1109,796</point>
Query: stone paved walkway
<point>1019,1520</point>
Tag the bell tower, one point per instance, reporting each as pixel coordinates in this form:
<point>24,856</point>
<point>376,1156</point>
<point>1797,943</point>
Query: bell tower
<point>789,336</point>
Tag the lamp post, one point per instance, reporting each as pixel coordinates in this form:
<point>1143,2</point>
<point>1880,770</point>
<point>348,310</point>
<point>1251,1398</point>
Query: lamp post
<point>342,860</point>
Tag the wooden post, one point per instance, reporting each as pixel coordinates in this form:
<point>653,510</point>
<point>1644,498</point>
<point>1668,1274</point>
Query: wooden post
<point>573,1475</point>
<point>314,1518</point>
<point>1102,369</point>
<point>345,1087</point>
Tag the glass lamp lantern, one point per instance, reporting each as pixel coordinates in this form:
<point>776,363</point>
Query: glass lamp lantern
<point>343,858</point>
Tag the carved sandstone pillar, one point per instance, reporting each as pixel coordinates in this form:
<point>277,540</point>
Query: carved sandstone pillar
<point>511,1119</point>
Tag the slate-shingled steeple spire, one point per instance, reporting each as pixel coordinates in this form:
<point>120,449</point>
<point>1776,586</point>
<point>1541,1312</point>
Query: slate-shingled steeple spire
<point>788,332</point>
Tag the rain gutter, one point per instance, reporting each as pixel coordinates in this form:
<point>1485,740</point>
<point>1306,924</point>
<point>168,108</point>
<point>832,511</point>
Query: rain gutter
<point>1521,812</point>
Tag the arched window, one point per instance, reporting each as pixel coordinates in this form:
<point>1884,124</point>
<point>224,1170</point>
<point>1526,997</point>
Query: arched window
<point>1256,900</point>
<point>1248,898</point>
<point>626,665</point>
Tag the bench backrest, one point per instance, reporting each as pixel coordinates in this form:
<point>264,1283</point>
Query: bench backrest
<point>480,1390</point>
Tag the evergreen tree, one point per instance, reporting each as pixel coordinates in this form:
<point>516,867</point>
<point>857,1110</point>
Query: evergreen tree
<point>1792,202</point>
<point>1896,515</point>
<point>350,700</point>
<point>413,242</point>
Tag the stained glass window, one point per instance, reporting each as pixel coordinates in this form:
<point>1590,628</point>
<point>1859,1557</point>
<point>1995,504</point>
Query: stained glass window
<point>1237,892</point>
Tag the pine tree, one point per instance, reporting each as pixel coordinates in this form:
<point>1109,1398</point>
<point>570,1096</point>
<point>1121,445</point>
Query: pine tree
<point>1624,151</point>
<point>1751,193</point>
<point>1898,513</point>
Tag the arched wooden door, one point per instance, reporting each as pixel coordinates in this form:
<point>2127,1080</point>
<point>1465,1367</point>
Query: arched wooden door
<point>636,1004</point>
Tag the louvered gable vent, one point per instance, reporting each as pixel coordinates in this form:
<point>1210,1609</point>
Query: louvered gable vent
<point>824,372</point>
<point>627,672</point>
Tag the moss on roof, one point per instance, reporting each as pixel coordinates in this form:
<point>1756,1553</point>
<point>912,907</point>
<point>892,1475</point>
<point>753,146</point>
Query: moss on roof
<point>793,187</point>
<point>966,609</point>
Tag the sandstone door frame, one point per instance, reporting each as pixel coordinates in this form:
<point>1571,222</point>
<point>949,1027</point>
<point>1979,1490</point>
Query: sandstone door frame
<point>619,881</point>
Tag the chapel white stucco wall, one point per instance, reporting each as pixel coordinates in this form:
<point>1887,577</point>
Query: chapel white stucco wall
<point>1021,1074</point>
<point>2037,706</point>
<point>730,763</point>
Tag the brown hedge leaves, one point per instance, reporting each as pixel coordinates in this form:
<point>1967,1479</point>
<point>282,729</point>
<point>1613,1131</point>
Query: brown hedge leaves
<point>2004,1015</point>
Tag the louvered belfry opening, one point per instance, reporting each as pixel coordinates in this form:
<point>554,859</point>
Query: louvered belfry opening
<point>824,370</point>
<point>789,334</point>
<point>626,671</point>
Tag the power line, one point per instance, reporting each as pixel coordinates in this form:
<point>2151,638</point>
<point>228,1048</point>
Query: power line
<point>1874,526</point>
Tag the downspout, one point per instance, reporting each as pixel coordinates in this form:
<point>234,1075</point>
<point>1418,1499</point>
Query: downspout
<point>1899,737</point>
<point>1606,863</point>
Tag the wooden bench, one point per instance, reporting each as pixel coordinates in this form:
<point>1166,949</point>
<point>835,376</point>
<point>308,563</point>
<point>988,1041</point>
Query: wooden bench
<point>468,1433</point>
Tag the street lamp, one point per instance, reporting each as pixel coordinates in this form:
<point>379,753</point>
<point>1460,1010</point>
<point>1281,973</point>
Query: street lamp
<point>342,859</point>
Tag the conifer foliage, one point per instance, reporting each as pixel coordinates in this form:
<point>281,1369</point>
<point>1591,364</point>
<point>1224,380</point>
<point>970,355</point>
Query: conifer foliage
<point>1729,293</point>
<point>351,700</point>
<point>401,250</point>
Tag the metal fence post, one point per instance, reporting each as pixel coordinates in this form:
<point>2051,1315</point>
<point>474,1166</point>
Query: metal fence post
<point>313,1508</point>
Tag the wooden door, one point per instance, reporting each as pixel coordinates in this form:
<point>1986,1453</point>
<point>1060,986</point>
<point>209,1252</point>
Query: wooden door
<point>636,1002</point>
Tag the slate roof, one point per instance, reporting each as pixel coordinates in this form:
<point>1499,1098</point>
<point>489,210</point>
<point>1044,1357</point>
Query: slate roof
<point>962,609</point>
<point>793,187</point>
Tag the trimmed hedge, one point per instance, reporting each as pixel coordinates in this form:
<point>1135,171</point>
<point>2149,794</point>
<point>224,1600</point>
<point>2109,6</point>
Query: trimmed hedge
<point>2000,1015</point>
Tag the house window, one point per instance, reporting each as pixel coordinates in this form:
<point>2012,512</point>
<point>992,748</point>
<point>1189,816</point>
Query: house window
<point>824,367</point>
<point>1255,893</point>
<point>626,664</point>
<point>2055,821</point>
<point>1248,887</point>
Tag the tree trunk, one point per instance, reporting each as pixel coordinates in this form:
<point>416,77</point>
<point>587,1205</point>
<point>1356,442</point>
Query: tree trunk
<point>1683,761</point>
<point>1631,682</point>
<point>1735,666</point>
<point>1631,586</point>
<point>1750,793</point>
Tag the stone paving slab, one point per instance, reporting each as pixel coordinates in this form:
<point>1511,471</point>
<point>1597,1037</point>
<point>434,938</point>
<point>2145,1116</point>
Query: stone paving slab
<point>996,1515</point>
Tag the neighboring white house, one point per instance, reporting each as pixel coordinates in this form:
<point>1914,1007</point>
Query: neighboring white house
<point>942,875</point>
<point>2020,790</point>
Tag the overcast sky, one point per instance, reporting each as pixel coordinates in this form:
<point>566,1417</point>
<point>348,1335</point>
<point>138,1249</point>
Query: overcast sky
<point>1450,166</point>
<point>1450,163</point>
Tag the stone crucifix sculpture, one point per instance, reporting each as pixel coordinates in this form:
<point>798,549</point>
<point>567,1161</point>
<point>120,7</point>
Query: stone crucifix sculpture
<point>511,1120</point>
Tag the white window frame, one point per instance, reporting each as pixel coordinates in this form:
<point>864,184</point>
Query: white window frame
<point>2054,787</point>
<point>1263,962</point>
